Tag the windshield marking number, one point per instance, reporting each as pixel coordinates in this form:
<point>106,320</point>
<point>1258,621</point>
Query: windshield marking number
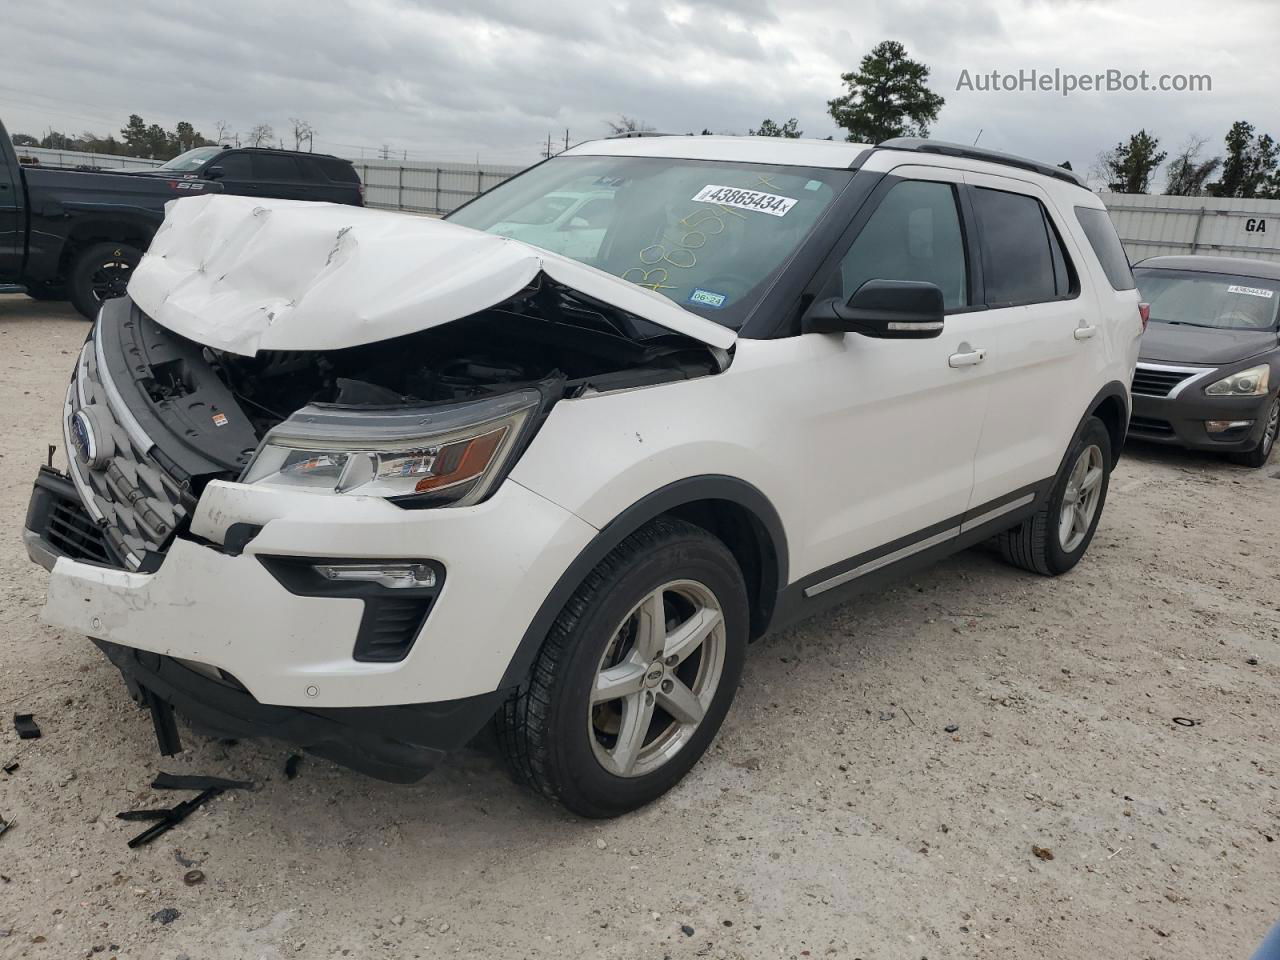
<point>771,203</point>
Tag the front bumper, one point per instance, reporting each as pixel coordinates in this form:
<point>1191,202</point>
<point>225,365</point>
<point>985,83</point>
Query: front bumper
<point>220,607</point>
<point>396,743</point>
<point>1180,420</point>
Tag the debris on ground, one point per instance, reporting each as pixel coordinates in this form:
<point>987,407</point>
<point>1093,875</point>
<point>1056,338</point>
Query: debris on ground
<point>177,781</point>
<point>26,726</point>
<point>192,877</point>
<point>687,930</point>
<point>291,766</point>
<point>11,766</point>
<point>166,916</point>
<point>166,820</point>
<point>951,728</point>
<point>5,825</point>
<point>184,860</point>
<point>1042,853</point>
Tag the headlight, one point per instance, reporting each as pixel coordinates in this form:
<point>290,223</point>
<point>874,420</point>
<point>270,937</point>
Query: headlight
<point>432,456</point>
<point>1253,382</point>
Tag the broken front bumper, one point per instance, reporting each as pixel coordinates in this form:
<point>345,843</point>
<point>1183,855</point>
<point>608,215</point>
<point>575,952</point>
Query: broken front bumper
<point>214,600</point>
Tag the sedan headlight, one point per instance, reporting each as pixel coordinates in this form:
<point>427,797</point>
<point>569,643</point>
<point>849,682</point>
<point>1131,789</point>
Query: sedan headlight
<point>1253,382</point>
<point>447,455</point>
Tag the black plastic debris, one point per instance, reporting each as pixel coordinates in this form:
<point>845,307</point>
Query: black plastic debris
<point>11,766</point>
<point>291,765</point>
<point>166,820</point>
<point>178,781</point>
<point>4,825</point>
<point>951,727</point>
<point>25,724</point>
<point>164,723</point>
<point>166,916</point>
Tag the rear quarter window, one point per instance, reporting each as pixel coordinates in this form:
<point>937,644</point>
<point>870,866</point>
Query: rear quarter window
<point>1106,245</point>
<point>339,171</point>
<point>1022,257</point>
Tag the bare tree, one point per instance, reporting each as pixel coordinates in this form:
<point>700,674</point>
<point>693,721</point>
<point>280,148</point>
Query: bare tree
<point>1188,174</point>
<point>302,133</point>
<point>260,134</point>
<point>625,124</point>
<point>221,131</point>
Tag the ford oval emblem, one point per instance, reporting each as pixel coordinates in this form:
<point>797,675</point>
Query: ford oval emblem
<point>83,438</point>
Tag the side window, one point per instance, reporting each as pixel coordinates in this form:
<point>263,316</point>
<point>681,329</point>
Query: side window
<point>1106,245</point>
<point>339,171</point>
<point>1023,260</point>
<point>913,235</point>
<point>235,166</point>
<point>311,170</point>
<point>270,166</point>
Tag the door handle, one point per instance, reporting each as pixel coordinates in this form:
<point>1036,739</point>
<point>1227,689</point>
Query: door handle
<point>967,359</point>
<point>1084,332</point>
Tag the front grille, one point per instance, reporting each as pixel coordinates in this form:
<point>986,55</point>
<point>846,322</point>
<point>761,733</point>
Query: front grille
<point>72,531</point>
<point>1151,426</point>
<point>1157,383</point>
<point>140,504</point>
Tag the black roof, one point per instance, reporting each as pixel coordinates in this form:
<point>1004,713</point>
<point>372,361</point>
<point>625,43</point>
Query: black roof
<point>922,145</point>
<point>292,153</point>
<point>1237,266</point>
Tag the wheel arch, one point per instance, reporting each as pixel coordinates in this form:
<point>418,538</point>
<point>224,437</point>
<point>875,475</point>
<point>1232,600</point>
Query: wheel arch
<point>1111,406</point>
<point>732,510</point>
<point>136,231</point>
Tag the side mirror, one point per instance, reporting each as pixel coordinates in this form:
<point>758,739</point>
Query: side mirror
<point>886,309</point>
<point>215,173</point>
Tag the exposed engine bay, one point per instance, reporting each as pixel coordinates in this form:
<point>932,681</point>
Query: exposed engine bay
<point>548,334</point>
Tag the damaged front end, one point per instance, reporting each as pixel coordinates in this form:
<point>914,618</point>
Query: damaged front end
<point>195,419</point>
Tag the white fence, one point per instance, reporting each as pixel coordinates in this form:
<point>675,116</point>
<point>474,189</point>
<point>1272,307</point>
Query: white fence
<point>425,187</point>
<point>1158,226</point>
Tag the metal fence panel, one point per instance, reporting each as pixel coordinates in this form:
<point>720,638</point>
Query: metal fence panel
<point>1215,226</point>
<point>425,187</point>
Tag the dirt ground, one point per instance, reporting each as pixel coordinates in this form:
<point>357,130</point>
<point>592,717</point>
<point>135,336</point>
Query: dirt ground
<point>833,816</point>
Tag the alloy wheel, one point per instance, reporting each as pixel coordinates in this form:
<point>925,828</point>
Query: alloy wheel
<point>111,279</point>
<point>1080,499</point>
<point>657,678</point>
<point>1273,428</point>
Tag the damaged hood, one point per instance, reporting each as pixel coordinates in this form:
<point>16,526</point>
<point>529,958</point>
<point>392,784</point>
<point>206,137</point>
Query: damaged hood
<point>244,274</point>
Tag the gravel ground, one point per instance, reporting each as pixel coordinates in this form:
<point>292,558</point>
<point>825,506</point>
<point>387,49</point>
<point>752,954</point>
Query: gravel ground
<point>832,817</point>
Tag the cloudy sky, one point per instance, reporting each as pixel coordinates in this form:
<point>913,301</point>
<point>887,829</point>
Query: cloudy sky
<point>492,78</point>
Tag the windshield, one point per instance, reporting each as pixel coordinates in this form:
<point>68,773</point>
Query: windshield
<point>191,160</point>
<point>1216,300</point>
<point>709,235</point>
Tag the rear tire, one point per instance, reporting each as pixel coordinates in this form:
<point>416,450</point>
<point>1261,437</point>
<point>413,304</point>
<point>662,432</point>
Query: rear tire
<point>1055,537</point>
<point>100,272</point>
<point>566,735</point>
<point>1258,456</point>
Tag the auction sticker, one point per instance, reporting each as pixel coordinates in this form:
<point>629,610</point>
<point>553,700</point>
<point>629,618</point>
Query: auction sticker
<point>1252,291</point>
<point>769,203</point>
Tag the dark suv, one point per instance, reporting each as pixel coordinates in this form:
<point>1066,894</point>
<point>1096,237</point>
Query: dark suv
<point>258,172</point>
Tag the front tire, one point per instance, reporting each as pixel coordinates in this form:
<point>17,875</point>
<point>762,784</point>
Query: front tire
<point>101,272</point>
<point>1258,456</point>
<point>636,675</point>
<point>1054,538</point>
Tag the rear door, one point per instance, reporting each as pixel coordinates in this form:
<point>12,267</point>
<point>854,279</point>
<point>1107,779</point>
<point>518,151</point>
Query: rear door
<point>1039,340</point>
<point>279,175</point>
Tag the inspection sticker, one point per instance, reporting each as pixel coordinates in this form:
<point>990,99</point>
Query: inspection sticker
<point>769,203</point>
<point>707,298</point>
<point>1252,291</point>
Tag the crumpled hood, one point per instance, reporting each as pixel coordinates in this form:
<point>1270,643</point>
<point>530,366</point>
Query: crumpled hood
<point>244,274</point>
<point>1174,343</point>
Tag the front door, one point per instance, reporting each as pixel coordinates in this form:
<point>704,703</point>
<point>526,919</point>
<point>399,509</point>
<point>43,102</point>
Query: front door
<point>12,221</point>
<point>896,422</point>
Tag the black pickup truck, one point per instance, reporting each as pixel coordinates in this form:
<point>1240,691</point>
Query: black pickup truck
<point>77,235</point>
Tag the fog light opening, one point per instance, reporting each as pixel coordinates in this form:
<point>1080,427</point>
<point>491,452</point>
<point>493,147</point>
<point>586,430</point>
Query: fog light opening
<point>395,576</point>
<point>1226,426</point>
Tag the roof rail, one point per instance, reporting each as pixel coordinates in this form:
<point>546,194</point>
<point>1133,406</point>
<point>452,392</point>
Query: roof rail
<point>921,145</point>
<point>629,134</point>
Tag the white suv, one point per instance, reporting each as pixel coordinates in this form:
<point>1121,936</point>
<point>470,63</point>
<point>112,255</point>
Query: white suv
<point>365,482</point>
